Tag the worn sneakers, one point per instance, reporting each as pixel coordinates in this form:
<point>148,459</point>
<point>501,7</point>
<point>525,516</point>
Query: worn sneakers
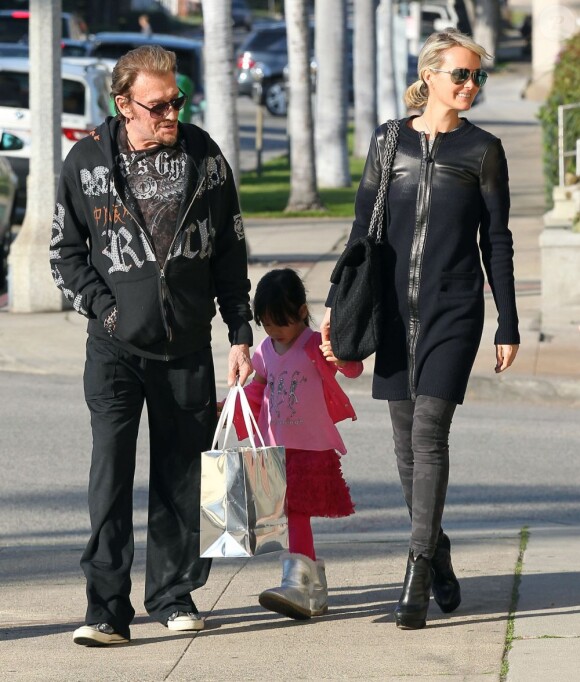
<point>184,620</point>
<point>99,634</point>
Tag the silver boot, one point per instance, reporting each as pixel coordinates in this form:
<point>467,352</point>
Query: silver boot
<point>293,597</point>
<point>319,598</point>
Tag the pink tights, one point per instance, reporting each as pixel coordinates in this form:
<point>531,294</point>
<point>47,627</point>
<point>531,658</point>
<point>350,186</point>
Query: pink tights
<point>300,538</point>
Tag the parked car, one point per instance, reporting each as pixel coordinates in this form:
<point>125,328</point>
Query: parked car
<point>262,65</point>
<point>8,184</point>
<point>189,51</point>
<point>70,48</point>
<point>262,56</point>
<point>86,84</point>
<point>263,59</point>
<point>437,15</point>
<point>14,26</point>
<point>14,50</point>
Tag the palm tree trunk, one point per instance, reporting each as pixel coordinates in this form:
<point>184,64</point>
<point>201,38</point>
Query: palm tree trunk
<point>331,94</point>
<point>303,189</point>
<point>221,116</point>
<point>365,74</point>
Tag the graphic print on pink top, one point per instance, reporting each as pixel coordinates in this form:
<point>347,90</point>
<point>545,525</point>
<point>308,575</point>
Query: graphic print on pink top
<point>294,411</point>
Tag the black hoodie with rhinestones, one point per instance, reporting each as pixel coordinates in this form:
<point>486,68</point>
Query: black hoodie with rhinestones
<point>102,257</point>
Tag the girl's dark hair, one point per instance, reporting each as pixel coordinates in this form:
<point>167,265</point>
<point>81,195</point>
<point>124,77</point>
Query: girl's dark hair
<point>279,296</point>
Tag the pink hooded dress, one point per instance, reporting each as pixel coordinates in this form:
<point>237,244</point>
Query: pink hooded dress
<point>298,407</point>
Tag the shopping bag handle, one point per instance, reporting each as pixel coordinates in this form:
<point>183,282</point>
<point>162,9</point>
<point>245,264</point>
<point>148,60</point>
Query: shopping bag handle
<point>227,418</point>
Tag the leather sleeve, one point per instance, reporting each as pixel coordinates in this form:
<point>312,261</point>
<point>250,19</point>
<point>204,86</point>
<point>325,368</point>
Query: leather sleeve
<point>496,240</point>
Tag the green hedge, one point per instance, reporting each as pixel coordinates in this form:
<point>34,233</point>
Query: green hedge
<point>565,90</point>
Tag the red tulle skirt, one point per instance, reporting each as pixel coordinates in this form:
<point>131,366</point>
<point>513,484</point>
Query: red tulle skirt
<point>315,484</point>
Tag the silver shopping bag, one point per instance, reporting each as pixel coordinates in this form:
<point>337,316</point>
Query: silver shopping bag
<point>243,492</point>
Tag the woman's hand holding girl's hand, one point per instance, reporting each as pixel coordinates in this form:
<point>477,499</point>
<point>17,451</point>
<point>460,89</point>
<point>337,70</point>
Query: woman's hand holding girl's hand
<point>326,350</point>
<point>325,346</point>
<point>505,354</point>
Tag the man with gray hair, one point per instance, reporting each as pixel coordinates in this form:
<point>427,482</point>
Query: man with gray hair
<point>147,232</point>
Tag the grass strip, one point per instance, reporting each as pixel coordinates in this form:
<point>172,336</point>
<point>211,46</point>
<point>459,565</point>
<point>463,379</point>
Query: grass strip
<point>266,195</point>
<point>509,635</point>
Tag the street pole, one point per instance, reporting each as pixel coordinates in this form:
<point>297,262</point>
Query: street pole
<point>259,138</point>
<point>31,287</point>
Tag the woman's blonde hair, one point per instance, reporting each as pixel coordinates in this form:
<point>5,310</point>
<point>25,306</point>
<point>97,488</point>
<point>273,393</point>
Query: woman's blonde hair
<point>145,59</point>
<point>431,57</point>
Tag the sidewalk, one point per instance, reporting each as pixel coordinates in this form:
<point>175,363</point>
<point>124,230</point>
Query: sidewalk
<point>357,639</point>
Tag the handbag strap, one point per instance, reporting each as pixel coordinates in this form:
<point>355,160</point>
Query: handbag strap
<point>391,137</point>
<point>227,418</point>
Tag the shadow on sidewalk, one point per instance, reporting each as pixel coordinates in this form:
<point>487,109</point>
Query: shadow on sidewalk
<point>485,599</point>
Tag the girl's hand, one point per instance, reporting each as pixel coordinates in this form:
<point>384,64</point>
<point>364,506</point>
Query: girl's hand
<point>505,354</point>
<point>326,350</point>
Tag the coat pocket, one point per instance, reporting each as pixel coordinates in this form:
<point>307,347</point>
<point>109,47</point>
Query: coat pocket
<point>140,318</point>
<point>459,285</point>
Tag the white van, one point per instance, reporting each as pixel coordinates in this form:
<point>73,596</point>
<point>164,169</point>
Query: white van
<point>86,86</point>
<point>424,18</point>
<point>437,17</point>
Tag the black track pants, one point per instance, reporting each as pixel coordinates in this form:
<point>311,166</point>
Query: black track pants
<point>180,398</point>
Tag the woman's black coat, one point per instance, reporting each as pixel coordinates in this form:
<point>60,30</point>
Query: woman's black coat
<point>443,207</point>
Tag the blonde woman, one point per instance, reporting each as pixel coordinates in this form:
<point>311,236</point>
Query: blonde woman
<point>447,202</point>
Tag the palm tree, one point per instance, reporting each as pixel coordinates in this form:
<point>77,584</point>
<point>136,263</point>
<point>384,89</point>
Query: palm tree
<point>303,190</point>
<point>221,116</point>
<point>331,94</point>
<point>365,74</point>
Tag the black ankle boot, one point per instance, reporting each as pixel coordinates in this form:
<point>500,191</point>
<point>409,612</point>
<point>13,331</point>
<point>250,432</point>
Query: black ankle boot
<point>446,590</point>
<point>411,611</point>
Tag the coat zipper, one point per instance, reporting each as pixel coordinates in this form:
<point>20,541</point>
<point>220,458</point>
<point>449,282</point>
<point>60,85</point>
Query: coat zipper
<point>416,256</point>
<point>166,299</point>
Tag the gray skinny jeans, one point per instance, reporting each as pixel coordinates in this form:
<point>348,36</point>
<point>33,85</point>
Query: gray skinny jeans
<point>421,435</point>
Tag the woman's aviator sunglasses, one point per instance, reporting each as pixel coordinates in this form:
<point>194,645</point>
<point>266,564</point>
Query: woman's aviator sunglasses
<point>161,109</point>
<point>460,76</point>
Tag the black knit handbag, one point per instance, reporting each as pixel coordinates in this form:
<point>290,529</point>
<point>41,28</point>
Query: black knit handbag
<point>356,322</point>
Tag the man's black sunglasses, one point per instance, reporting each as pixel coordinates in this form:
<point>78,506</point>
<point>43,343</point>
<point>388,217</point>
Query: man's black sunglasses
<point>161,109</point>
<point>460,76</point>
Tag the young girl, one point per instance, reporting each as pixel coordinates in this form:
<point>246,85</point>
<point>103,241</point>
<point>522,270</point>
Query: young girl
<point>297,401</point>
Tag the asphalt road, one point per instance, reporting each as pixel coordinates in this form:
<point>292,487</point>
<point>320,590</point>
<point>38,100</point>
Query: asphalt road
<point>512,464</point>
